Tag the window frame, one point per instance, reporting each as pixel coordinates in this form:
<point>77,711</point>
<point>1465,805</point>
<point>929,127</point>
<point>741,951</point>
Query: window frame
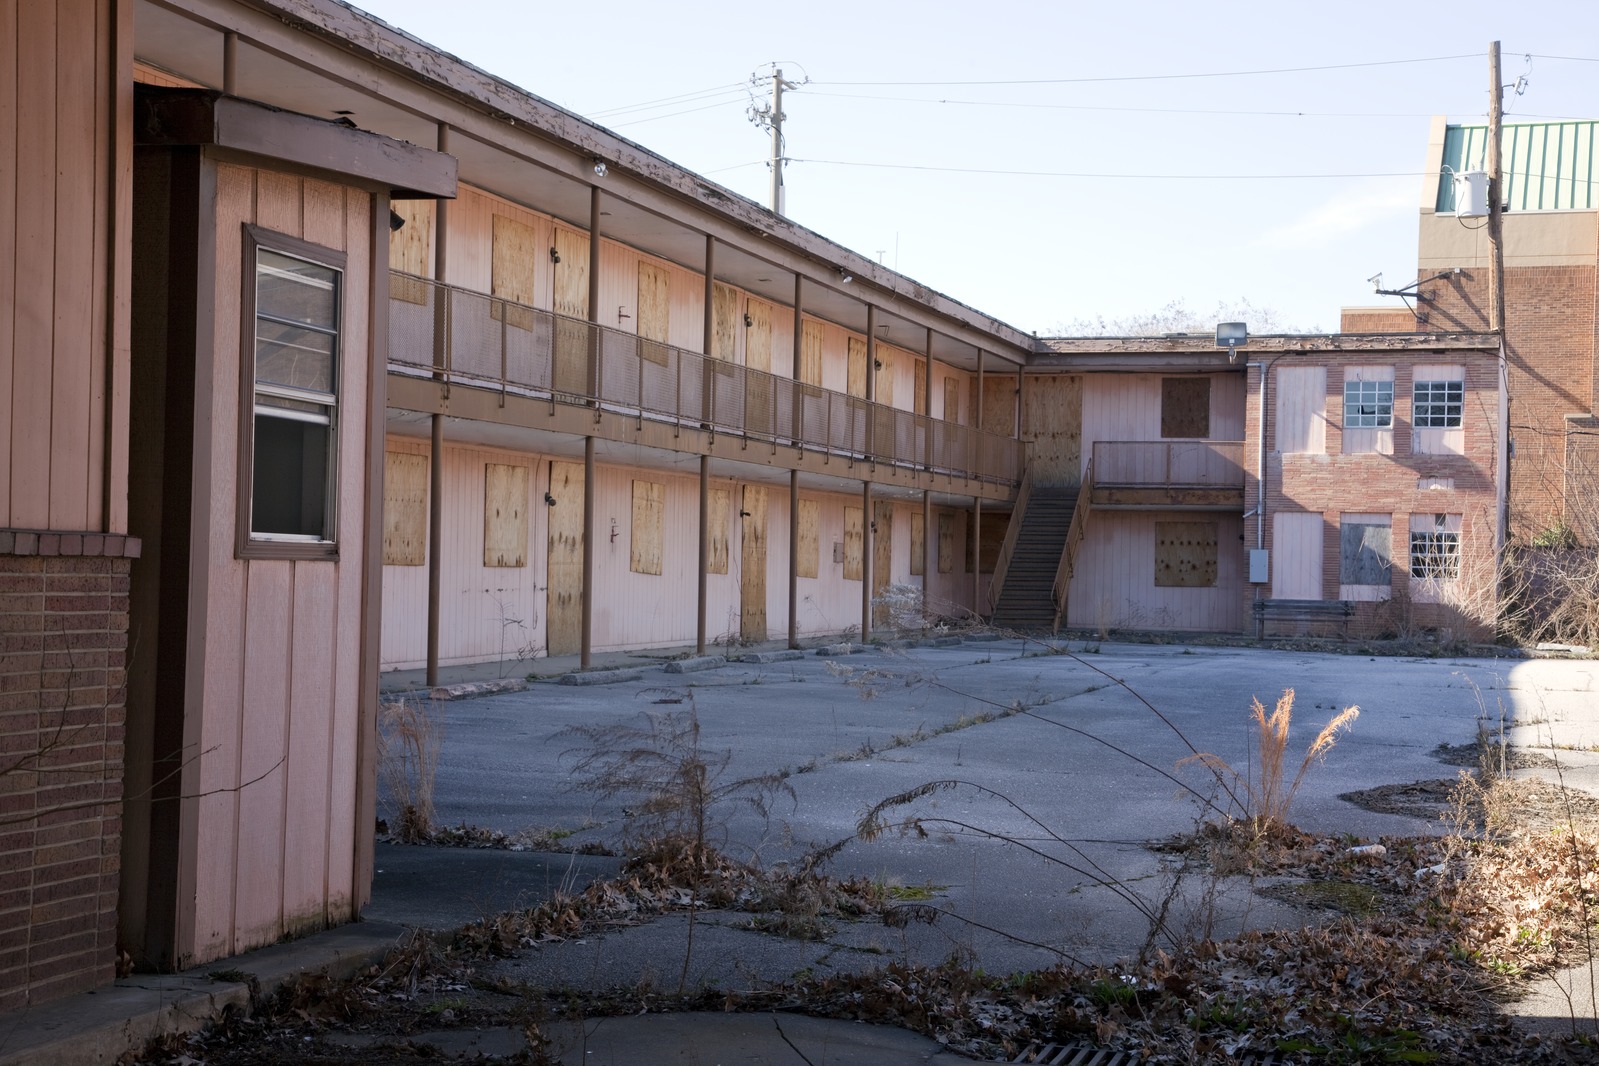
<point>1431,408</point>
<point>1429,564</point>
<point>248,543</point>
<point>1356,420</point>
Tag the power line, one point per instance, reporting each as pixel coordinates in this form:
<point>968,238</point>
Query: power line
<point>716,90</point>
<point>1085,174</point>
<point>1141,110</point>
<point>672,114</point>
<point>1167,77</point>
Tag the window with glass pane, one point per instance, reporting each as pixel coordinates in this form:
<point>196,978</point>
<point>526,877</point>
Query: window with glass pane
<point>1435,554</point>
<point>1438,404</point>
<point>1368,404</point>
<point>296,397</point>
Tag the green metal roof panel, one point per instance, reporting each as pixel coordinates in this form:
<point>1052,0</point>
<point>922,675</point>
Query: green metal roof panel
<point>1548,166</point>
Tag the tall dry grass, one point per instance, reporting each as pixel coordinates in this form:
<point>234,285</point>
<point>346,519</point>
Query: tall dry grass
<point>410,736</point>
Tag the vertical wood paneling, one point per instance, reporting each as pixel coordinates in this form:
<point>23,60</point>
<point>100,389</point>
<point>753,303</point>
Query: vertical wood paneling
<point>9,275</point>
<point>263,718</point>
<point>855,367</point>
<point>654,302</point>
<point>311,716</point>
<point>1296,555</point>
<point>1114,583</point>
<point>504,515</point>
<point>1052,426</point>
<point>1228,396</point>
<point>279,203</point>
<point>752,572</point>
<point>405,587</point>
<point>919,387</point>
<point>758,337</point>
<point>719,504</point>
<point>884,381</point>
<point>565,568</point>
<point>1119,407</point>
<point>405,495</point>
<point>854,544</point>
<point>882,558</point>
<point>808,550</point>
<point>571,273</point>
<point>1301,423</point>
<point>647,528</point>
<point>812,338</point>
<point>411,247</point>
<point>724,316</point>
<point>918,551</point>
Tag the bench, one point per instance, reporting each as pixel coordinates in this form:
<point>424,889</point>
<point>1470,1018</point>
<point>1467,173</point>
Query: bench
<point>1304,611</point>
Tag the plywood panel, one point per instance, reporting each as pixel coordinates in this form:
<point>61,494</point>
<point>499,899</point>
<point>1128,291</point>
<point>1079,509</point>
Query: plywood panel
<point>1301,409</point>
<point>565,565</point>
<point>512,272</point>
<point>571,273</point>
<point>752,568</point>
<point>882,558</point>
<point>1052,426</point>
<point>918,543</point>
<point>855,367</point>
<point>1228,398</point>
<point>1296,563</point>
<point>854,544</point>
<point>884,381</point>
<point>1186,554</point>
<point>811,342</point>
<point>946,542</point>
<point>808,550</point>
<point>1115,585</point>
<point>998,404</point>
<point>411,246</point>
<point>919,387</point>
<point>952,400</point>
<point>405,511</point>
<point>311,713</point>
<point>1185,407</point>
<point>758,337</point>
<point>1365,551</point>
<point>263,720</point>
<point>504,515</point>
<point>718,505</point>
<point>8,240</point>
<point>725,320</point>
<point>649,512</point>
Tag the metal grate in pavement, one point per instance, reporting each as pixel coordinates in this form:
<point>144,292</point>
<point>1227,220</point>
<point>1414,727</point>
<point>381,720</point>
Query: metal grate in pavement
<point>1088,1055</point>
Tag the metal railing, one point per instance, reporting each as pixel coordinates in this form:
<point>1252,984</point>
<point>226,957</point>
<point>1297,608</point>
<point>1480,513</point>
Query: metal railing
<point>1186,463</point>
<point>467,338</point>
<point>1018,513</point>
<point>1075,533</point>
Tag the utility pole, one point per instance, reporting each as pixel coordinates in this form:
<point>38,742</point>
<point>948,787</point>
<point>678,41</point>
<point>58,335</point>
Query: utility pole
<point>776,115</point>
<point>1496,196</point>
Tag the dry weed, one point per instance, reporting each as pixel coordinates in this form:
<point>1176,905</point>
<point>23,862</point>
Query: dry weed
<point>410,736</point>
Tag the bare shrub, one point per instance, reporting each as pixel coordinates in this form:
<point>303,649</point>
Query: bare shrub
<point>410,735</point>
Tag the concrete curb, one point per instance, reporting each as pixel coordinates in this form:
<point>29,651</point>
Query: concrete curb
<point>97,1028</point>
<point>785,656</point>
<point>468,689</point>
<point>843,649</point>
<point>695,664</point>
<point>600,677</point>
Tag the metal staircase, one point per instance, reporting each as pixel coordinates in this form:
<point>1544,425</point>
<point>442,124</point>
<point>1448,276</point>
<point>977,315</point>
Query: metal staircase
<point>1026,600</point>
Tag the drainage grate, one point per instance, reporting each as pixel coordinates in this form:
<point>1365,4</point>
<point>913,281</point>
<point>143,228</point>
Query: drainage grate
<point>1088,1055</point>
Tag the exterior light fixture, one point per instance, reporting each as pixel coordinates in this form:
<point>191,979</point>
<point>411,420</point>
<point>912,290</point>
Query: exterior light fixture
<point>599,168</point>
<point>1232,336</point>
<point>844,276</point>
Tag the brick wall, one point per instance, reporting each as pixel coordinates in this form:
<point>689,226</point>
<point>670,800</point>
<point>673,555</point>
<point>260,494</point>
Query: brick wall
<point>1332,484</point>
<point>63,640</point>
<point>1377,320</point>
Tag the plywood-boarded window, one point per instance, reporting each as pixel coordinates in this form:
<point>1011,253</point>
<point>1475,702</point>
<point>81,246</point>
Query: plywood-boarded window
<point>512,270</point>
<point>855,367</point>
<point>952,400</point>
<point>808,551</point>
<point>758,336</point>
<point>883,381</point>
<point>996,411</point>
<point>1301,409</point>
<point>405,504</point>
<point>854,544</point>
<point>946,542</point>
<point>1365,550</point>
<point>654,311</point>
<point>718,505</point>
<point>811,337</point>
<point>989,544</point>
<point>919,384</point>
<point>1185,407</point>
<point>570,260</point>
<point>918,543</point>
<point>504,515</point>
<point>1186,553</point>
<point>411,249</point>
<point>649,517</point>
<point>724,322</point>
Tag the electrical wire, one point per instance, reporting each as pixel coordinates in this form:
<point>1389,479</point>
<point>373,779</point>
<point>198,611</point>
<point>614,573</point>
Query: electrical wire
<point>1140,110</point>
<point>717,90</point>
<point>1084,174</point>
<point>1168,77</point>
<point>673,114</point>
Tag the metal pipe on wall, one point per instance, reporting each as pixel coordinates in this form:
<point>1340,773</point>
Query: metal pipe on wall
<point>705,552</point>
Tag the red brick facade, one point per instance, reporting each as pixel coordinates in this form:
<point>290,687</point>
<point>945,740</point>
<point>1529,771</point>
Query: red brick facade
<point>63,643</point>
<point>1332,484</point>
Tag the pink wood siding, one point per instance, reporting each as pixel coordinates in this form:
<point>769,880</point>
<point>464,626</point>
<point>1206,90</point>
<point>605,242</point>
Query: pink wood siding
<point>270,842</point>
<point>1296,555</point>
<point>65,218</point>
<point>1114,583</point>
<point>1301,406</point>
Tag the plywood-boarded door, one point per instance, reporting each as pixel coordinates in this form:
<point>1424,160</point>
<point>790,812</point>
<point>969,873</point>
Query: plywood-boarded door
<point>571,262</point>
<point>1296,560</point>
<point>565,560</point>
<point>758,392</point>
<point>882,559</point>
<point>752,569</point>
<point>1052,426</point>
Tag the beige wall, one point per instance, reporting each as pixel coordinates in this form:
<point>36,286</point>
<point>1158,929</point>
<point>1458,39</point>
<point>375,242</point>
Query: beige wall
<point>1113,585</point>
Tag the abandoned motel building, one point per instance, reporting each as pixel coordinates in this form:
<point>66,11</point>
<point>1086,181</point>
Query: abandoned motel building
<point>326,353</point>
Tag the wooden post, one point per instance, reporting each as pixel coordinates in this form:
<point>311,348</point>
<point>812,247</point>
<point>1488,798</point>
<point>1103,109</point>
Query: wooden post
<point>1496,194</point>
<point>705,551</point>
<point>587,656</point>
<point>793,558</point>
<point>927,414</point>
<point>436,451</point>
<point>866,557</point>
<point>977,553</point>
<point>707,342</point>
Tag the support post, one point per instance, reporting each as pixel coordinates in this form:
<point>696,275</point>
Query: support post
<point>793,558</point>
<point>977,555</point>
<point>871,386</point>
<point>705,552</point>
<point>1496,194</point>
<point>435,546</point>
<point>230,63</point>
<point>587,656</point>
<point>927,411</point>
<point>866,560</point>
<point>594,312</point>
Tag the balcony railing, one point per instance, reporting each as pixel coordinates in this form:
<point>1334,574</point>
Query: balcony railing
<point>467,338</point>
<point>1169,463</point>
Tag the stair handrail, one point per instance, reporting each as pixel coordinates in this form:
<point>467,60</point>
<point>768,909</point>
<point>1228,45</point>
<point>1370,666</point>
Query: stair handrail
<point>1074,539</point>
<point>1018,513</point>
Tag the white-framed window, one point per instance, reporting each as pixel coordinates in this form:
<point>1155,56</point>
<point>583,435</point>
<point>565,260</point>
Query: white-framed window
<point>1438,404</point>
<point>1435,548</point>
<point>292,326</point>
<point>1368,404</point>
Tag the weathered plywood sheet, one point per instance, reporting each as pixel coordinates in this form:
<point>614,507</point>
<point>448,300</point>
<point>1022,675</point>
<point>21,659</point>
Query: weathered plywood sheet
<point>511,272</point>
<point>504,515</point>
<point>854,544</point>
<point>883,382</point>
<point>1365,550</point>
<point>918,543</point>
<point>952,400</point>
<point>758,337</point>
<point>649,524</point>
<point>998,403</point>
<point>411,249</point>
<point>946,542</point>
<point>724,322</point>
<point>1301,409</point>
<point>808,550</point>
<point>564,634</point>
<point>719,504</point>
<point>571,300</point>
<point>919,387</point>
<point>1296,560</point>
<point>856,367</point>
<point>811,338</point>
<point>752,564</point>
<point>1185,407</point>
<point>1052,426</point>
<point>882,558</point>
<point>654,311</point>
<point>405,509</point>
<point>1186,554</point>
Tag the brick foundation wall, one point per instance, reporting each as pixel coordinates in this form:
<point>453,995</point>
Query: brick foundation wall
<point>63,642</point>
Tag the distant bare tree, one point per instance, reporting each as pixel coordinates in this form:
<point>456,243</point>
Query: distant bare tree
<point>1178,317</point>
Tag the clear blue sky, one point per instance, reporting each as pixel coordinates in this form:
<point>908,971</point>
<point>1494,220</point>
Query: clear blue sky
<point>1284,189</point>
